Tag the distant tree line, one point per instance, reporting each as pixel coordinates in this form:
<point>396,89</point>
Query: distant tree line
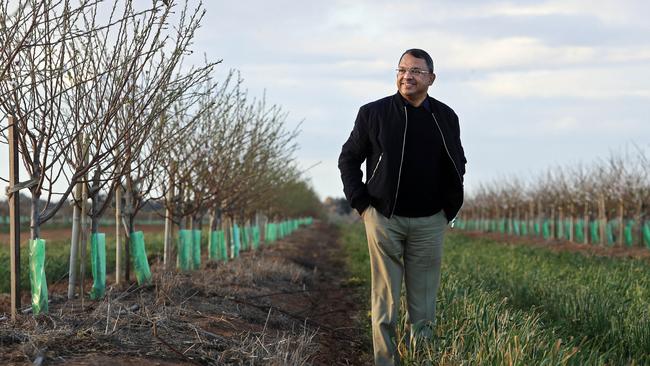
<point>607,201</point>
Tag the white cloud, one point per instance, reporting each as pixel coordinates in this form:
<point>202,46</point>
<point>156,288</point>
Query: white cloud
<point>513,52</point>
<point>626,12</point>
<point>583,83</point>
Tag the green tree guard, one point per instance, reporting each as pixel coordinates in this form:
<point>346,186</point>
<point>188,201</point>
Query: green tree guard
<point>98,261</point>
<point>276,231</point>
<point>140,261</point>
<point>269,236</point>
<point>196,249</point>
<point>580,231</point>
<point>37,276</point>
<point>184,249</point>
<point>213,250</point>
<point>546,229</point>
<point>256,237</point>
<point>244,238</point>
<point>223,250</point>
<point>594,227</point>
<point>502,226</point>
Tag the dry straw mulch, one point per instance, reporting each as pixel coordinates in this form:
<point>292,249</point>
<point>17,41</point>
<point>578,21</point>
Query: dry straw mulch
<point>194,318</point>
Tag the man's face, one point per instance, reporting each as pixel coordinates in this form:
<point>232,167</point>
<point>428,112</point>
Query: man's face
<point>413,85</point>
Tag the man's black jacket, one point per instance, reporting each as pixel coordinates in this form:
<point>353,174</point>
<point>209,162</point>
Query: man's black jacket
<point>378,137</point>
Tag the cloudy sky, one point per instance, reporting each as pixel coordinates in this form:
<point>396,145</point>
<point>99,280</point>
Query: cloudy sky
<point>535,83</point>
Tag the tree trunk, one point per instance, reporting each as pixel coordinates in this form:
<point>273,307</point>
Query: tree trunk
<point>74,245</point>
<point>228,237</point>
<point>118,236</point>
<point>638,218</point>
<point>621,224</point>
<point>585,217</point>
<point>84,239</point>
<point>94,217</point>
<point>552,222</point>
<point>602,216</point>
<point>167,250</point>
<point>571,222</point>
<point>531,215</point>
<point>128,213</point>
<point>35,227</point>
<point>510,222</point>
<point>560,222</point>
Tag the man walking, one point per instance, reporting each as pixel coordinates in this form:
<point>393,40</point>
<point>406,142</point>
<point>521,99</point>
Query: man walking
<point>414,187</point>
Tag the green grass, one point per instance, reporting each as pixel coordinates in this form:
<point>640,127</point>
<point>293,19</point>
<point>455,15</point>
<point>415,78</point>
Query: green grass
<point>57,257</point>
<point>505,304</point>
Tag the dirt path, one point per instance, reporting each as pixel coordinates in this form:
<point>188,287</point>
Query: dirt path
<point>335,306</point>
<point>283,305</point>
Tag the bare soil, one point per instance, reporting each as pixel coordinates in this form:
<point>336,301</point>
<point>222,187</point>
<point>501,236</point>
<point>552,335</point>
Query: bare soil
<point>285,304</point>
<point>558,245</point>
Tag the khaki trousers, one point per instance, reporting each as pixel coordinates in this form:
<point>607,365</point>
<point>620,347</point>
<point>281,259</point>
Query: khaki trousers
<point>409,248</point>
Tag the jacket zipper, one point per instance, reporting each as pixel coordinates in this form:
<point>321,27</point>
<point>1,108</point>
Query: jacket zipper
<point>401,160</point>
<point>444,143</point>
<point>375,170</point>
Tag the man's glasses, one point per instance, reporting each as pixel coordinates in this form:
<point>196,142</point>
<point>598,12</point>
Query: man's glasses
<point>413,71</point>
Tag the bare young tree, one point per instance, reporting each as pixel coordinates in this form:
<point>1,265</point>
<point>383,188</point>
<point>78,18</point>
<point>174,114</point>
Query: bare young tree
<point>608,200</point>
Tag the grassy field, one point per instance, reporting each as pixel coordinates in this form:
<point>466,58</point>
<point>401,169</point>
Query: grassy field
<point>506,304</point>
<point>57,257</point>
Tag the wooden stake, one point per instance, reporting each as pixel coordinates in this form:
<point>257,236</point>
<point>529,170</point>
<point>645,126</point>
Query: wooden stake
<point>118,236</point>
<point>14,218</point>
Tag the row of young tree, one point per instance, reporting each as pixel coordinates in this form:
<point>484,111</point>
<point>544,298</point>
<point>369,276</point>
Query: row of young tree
<point>606,202</point>
<point>105,114</point>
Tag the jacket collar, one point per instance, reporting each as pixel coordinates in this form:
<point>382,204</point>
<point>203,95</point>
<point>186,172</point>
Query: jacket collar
<point>401,102</point>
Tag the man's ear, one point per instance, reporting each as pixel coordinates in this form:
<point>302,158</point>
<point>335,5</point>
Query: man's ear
<point>433,78</point>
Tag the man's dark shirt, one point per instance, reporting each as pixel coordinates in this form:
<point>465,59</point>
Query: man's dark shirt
<point>420,183</point>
